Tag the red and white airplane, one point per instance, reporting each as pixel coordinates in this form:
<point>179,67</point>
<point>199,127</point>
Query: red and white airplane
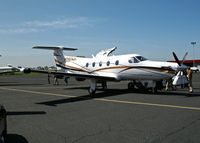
<point>141,72</point>
<point>191,63</point>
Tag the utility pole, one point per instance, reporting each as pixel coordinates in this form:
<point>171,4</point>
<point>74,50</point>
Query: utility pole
<point>193,43</point>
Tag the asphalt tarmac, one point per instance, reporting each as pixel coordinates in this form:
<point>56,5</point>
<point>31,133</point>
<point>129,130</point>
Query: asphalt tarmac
<point>43,113</point>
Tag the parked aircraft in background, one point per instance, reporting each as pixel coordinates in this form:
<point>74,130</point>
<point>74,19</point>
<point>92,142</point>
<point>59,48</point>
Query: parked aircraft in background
<point>10,69</point>
<point>191,63</point>
<point>141,72</point>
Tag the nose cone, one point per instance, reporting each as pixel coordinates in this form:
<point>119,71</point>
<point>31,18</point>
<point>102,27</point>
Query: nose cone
<point>185,67</point>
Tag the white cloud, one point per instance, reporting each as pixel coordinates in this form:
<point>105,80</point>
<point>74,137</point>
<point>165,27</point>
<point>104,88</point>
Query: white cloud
<point>18,30</point>
<point>67,23</point>
<point>38,26</point>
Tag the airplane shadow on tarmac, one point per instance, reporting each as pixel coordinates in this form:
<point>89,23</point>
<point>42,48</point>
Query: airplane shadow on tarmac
<point>14,138</point>
<point>106,93</point>
<point>17,84</point>
<point>112,92</point>
<point>16,113</point>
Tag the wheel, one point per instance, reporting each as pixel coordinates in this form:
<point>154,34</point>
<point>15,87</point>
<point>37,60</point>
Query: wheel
<point>91,92</point>
<point>104,85</point>
<point>2,139</point>
<point>154,90</point>
<point>130,85</point>
<point>4,122</point>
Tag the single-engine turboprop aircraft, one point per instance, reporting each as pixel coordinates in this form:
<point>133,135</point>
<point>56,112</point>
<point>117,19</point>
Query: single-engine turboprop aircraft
<point>140,71</point>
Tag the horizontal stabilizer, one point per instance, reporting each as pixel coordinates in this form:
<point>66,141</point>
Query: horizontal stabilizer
<point>54,48</point>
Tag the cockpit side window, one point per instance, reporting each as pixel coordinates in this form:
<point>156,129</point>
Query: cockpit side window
<point>140,58</point>
<point>133,60</point>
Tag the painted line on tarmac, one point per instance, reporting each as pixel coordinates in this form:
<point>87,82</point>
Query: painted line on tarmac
<point>36,92</point>
<point>104,99</point>
<point>147,104</point>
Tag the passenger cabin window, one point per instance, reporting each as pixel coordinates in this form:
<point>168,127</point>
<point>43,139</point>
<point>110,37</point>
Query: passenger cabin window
<point>130,61</point>
<point>87,65</point>
<point>93,64</point>
<point>108,63</point>
<point>100,64</point>
<point>117,62</point>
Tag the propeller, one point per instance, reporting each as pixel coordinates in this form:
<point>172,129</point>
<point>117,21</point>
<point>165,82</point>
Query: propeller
<point>178,78</point>
<point>184,57</point>
<point>176,58</point>
<point>181,65</point>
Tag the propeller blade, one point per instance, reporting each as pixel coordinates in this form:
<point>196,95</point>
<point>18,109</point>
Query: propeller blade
<point>176,58</point>
<point>184,57</point>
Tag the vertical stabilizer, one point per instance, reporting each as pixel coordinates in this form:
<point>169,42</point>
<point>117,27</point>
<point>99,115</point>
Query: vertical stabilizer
<point>58,53</point>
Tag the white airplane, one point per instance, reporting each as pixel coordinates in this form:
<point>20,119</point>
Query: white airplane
<point>142,73</point>
<point>10,69</point>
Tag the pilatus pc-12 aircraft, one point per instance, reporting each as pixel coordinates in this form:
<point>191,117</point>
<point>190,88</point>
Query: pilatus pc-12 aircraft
<point>141,72</point>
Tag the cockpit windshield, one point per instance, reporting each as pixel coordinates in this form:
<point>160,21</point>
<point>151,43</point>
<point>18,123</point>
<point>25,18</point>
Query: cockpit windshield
<point>140,58</point>
<point>136,59</point>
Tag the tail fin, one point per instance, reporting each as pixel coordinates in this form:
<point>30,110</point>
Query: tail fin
<point>58,53</point>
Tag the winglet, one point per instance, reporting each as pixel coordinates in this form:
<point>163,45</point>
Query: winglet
<point>106,53</point>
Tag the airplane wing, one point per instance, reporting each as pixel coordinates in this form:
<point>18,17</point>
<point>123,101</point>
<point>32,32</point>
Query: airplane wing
<point>6,68</point>
<point>4,72</point>
<point>87,76</point>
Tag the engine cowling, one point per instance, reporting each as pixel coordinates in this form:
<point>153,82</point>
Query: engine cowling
<point>27,70</point>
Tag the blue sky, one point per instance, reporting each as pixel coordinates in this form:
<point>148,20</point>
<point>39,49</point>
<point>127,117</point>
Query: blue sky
<point>152,28</point>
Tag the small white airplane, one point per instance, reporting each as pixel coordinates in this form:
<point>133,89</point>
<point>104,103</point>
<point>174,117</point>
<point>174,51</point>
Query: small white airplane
<point>142,73</point>
<point>10,69</point>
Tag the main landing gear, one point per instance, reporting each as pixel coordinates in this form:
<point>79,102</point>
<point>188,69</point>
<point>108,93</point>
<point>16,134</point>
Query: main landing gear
<point>93,86</point>
<point>131,85</point>
<point>92,89</point>
<point>104,84</point>
<point>154,86</point>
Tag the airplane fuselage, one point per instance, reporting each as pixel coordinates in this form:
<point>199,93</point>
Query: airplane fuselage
<point>122,67</point>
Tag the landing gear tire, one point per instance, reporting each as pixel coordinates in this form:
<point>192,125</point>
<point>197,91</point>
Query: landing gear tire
<point>91,92</point>
<point>154,90</point>
<point>130,85</point>
<point>104,85</point>
<point>2,140</point>
<point>3,137</point>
